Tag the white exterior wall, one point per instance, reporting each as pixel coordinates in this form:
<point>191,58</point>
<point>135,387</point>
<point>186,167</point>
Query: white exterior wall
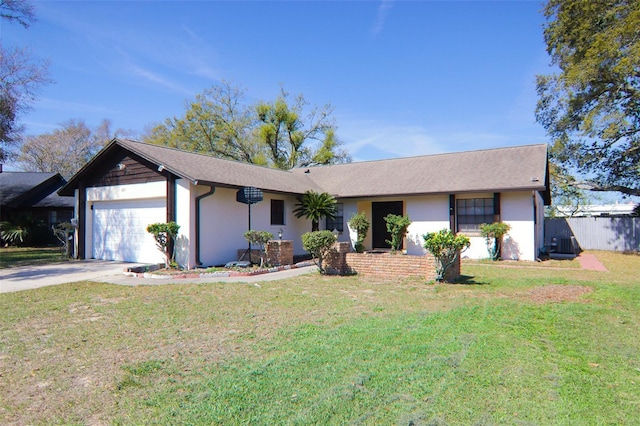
<point>427,214</point>
<point>185,217</point>
<point>223,222</point>
<point>431,213</point>
<point>517,211</point>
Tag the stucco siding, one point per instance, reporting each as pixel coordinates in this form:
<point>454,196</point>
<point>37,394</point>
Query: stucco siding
<point>185,217</point>
<point>224,222</point>
<point>517,211</point>
<point>427,214</point>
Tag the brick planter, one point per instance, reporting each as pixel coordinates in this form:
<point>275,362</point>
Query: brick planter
<point>277,252</point>
<point>342,261</point>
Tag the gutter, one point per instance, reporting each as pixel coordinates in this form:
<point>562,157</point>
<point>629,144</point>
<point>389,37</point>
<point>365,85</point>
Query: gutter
<point>211,191</point>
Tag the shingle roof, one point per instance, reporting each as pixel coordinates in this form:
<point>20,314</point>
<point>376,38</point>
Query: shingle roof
<point>493,170</point>
<point>198,167</point>
<point>36,189</point>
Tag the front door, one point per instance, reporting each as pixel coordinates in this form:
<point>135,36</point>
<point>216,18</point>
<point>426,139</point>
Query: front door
<point>379,233</point>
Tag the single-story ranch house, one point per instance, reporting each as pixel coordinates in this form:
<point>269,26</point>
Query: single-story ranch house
<point>129,185</point>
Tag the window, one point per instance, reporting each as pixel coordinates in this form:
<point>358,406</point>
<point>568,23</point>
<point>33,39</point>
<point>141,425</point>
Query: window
<point>338,222</point>
<point>277,212</point>
<point>473,212</point>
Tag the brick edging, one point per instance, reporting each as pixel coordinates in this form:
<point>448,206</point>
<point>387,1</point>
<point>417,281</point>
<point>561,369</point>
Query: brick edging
<point>218,274</point>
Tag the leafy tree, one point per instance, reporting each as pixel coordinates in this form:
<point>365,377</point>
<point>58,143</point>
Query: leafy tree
<point>565,191</point>
<point>315,206</point>
<point>261,238</point>
<point>361,224</point>
<point>64,150</point>
<point>21,77</point>
<point>445,246</point>
<point>221,123</point>
<point>396,226</point>
<point>165,234</point>
<point>319,245</point>
<point>287,135</point>
<point>217,122</point>
<point>590,107</point>
<point>493,234</point>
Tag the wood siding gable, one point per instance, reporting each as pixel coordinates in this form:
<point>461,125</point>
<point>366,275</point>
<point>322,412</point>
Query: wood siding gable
<point>124,168</point>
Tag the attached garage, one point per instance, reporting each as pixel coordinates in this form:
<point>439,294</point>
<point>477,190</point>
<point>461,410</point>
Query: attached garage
<point>119,230</point>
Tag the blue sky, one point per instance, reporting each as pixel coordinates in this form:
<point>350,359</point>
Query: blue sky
<point>405,77</point>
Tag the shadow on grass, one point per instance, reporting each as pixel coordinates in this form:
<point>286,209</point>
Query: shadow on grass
<point>469,280</point>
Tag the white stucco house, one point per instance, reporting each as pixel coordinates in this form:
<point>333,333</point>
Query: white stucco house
<point>129,185</point>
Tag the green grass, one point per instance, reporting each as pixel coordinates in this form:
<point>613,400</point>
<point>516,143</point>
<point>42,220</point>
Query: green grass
<point>321,350</point>
<point>11,257</point>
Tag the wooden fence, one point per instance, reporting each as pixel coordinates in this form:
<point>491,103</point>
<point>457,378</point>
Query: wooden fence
<point>596,233</point>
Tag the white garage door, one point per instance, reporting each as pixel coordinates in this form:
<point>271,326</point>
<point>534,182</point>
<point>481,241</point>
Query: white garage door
<point>120,230</point>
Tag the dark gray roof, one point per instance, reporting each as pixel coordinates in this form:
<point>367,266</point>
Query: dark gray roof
<point>492,170</point>
<point>32,189</point>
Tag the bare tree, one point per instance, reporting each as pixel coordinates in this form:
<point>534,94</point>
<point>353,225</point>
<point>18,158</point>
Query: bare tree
<point>20,11</point>
<point>65,150</point>
<point>21,77</point>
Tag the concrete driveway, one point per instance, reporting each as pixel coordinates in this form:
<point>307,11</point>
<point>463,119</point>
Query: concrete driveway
<point>29,277</point>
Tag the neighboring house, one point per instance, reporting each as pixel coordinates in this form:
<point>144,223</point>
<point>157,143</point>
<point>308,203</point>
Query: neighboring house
<point>34,194</point>
<point>131,184</point>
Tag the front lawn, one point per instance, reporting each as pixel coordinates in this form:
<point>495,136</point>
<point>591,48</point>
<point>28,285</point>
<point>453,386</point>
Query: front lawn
<point>11,257</point>
<point>509,346</point>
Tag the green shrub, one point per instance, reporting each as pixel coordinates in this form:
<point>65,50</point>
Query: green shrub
<point>164,234</point>
<point>261,238</point>
<point>318,244</point>
<point>361,224</point>
<point>493,234</point>
<point>445,246</point>
<point>397,226</point>
<point>315,206</point>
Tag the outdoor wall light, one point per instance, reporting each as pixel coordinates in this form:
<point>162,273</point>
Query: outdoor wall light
<point>280,234</point>
<point>121,166</point>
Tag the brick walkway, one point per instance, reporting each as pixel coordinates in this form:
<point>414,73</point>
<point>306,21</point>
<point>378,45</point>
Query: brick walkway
<point>590,262</point>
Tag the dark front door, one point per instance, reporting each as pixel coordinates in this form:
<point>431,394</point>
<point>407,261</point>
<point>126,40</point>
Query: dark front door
<point>379,210</point>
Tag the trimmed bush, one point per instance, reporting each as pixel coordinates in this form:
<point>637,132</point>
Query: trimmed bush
<point>445,247</point>
<point>318,244</point>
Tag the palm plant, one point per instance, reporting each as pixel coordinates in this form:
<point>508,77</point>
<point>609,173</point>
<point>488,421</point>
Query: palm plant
<point>315,206</point>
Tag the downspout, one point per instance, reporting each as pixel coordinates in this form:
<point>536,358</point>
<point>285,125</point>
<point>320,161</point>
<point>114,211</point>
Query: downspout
<point>212,189</point>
